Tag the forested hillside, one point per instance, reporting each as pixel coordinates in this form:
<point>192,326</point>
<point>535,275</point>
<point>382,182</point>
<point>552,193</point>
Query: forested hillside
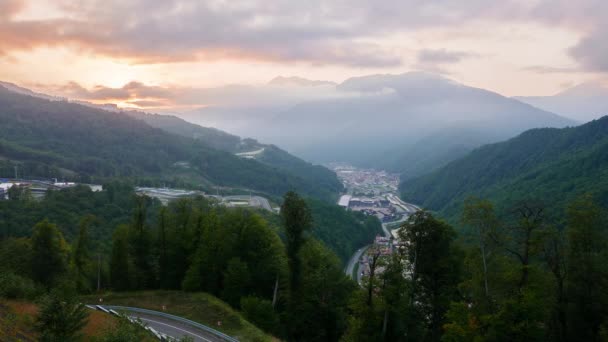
<point>517,274</point>
<point>341,230</point>
<point>215,138</point>
<point>271,155</point>
<point>548,165</point>
<point>190,245</point>
<point>56,139</point>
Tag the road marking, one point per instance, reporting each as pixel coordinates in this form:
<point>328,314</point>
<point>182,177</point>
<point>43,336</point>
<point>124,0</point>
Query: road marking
<point>174,327</point>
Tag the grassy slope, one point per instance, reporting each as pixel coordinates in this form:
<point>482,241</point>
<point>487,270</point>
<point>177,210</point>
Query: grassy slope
<point>199,307</point>
<point>17,319</point>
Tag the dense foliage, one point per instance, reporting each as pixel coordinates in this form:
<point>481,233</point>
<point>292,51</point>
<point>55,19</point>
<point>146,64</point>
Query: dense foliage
<point>67,208</point>
<point>552,165</point>
<point>515,275</point>
<point>192,245</point>
<point>343,231</point>
<point>60,319</point>
<point>56,139</point>
<point>522,278</point>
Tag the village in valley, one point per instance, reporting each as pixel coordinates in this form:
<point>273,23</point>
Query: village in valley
<point>373,192</point>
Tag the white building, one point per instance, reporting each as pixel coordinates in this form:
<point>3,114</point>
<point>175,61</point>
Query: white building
<point>344,201</point>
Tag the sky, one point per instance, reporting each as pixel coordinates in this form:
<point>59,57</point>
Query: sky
<point>163,54</point>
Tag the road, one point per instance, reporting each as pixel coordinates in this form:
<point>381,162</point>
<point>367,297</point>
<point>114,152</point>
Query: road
<point>169,325</point>
<point>410,208</point>
<point>350,267</point>
<point>175,328</point>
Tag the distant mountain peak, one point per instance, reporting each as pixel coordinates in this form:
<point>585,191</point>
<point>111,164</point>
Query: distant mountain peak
<point>583,102</point>
<point>379,82</point>
<point>591,88</point>
<point>298,81</point>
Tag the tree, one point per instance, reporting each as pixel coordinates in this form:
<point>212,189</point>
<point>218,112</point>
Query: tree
<point>394,292</point>
<point>60,318</point>
<point>296,220</point>
<point>163,250</point>
<point>49,254</point>
<point>81,255</point>
<point>523,238</point>
<point>140,245</point>
<point>554,254</point>
<point>320,313</point>
<point>587,271</point>
<point>479,214</point>
<point>261,313</point>
<point>236,281</point>
<point>120,264</point>
<point>434,267</point>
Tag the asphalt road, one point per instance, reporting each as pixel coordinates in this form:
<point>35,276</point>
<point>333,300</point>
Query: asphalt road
<point>350,267</point>
<point>357,255</point>
<point>175,329</point>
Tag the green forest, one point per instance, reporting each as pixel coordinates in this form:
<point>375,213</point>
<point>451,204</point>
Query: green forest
<point>552,166</point>
<point>522,278</point>
<point>516,276</point>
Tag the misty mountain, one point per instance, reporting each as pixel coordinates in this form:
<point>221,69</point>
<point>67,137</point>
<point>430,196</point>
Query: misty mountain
<point>583,102</point>
<point>388,121</point>
<point>548,165</point>
<point>70,141</point>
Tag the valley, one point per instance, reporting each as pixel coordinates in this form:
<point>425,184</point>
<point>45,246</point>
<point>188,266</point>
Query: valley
<point>312,171</point>
<point>376,195</point>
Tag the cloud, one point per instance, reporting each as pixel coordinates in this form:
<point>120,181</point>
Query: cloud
<point>541,69</point>
<point>8,8</point>
<point>592,51</point>
<point>177,31</point>
<point>138,94</point>
<point>590,17</point>
<point>435,60</point>
<point>442,56</point>
<point>163,31</point>
<point>317,32</point>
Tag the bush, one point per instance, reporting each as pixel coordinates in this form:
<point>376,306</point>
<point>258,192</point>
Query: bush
<point>125,331</point>
<point>261,313</point>
<point>17,287</point>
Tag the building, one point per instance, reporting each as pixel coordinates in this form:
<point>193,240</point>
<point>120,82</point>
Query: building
<point>344,201</point>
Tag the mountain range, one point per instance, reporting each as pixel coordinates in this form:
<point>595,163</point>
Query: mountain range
<point>410,123</point>
<point>53,138</point>
<point>584,102</point>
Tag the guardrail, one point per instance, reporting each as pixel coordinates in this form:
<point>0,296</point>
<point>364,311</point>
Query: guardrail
<point>173,317</point>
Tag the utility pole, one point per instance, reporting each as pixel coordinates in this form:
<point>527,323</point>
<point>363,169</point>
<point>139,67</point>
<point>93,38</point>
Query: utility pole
<point>98,272</point>
<point>276,290</point>
<point>15,171</point>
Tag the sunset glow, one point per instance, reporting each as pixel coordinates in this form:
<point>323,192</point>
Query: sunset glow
<point>515,48</point>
